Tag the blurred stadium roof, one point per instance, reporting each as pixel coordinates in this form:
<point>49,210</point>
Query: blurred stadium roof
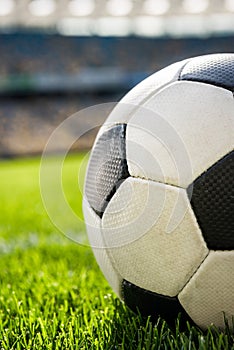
<point>151,18</point>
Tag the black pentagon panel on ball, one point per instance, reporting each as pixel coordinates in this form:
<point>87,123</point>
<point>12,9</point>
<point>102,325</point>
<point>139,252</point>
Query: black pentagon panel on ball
<point>216,69</point>
<point>107,167</point>
<point>213,203</point>
<point>152,304</point>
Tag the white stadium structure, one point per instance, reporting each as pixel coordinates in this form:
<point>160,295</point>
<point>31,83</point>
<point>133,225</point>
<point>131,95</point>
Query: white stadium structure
<point>150,18</point>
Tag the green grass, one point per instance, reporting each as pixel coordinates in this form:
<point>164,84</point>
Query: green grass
<point>53,296</point>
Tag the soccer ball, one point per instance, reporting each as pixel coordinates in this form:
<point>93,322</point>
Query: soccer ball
<point>159,195</point>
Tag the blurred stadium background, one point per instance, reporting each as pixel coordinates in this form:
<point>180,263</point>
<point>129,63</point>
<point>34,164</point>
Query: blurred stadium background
<point>57,57</point>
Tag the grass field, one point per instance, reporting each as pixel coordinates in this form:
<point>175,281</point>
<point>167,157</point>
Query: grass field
<point>53,295</point>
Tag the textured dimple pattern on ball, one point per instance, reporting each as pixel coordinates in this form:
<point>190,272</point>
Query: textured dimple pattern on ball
<point>107,168</point>
<point>212,69</point>
<point>208,296</point>
<point>213,203</point>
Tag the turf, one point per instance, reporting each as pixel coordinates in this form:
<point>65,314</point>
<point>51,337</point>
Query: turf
<point>53,295</point>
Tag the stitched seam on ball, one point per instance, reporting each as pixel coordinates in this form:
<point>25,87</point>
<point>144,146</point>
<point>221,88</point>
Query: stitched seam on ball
<point>142,103</point>
<point>208,250</point>
<point>174,79</point>
<point>158,181</point>
<point>182,68</point>
<point>198,268</point>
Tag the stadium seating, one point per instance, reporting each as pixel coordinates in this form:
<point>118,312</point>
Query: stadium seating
<point>27,121</point>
